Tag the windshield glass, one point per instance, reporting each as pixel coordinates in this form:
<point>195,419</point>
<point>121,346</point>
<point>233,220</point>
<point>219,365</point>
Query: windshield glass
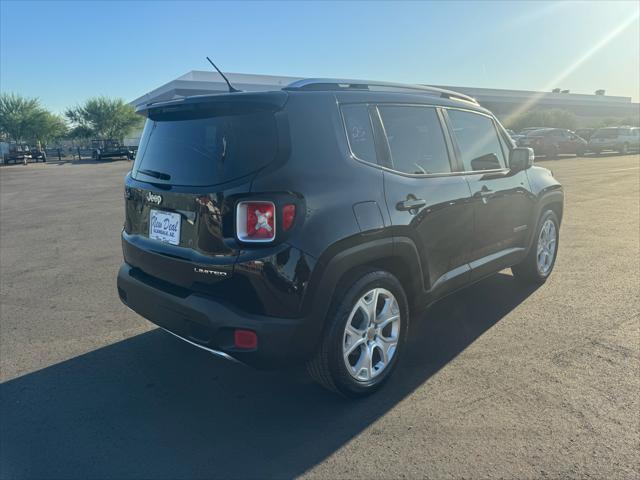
<point>606,133</point>
<point>205,147</point>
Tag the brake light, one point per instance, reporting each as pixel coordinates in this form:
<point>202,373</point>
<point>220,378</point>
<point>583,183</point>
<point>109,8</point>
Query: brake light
<point>288,215</point>
<point>256,221</point>
<point>245,339</point>
<point>260,220</point>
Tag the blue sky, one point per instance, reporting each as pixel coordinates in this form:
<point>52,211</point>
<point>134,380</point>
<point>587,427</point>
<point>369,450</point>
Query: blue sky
<point>66,52</point>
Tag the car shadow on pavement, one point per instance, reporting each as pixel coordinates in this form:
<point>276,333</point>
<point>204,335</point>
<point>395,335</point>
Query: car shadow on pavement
<point>152,406</point>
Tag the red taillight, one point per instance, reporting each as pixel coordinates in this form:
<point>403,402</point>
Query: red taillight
<point>288,215</point>
<point>246,339</point>
<point>260,220</point>
<point>256,221</point>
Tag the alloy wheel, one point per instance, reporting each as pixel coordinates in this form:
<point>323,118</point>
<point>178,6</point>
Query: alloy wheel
<point>546,250</point>
<point>371,334</point>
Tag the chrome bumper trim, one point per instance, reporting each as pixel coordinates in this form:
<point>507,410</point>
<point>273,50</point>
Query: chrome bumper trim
<point>217,353</point>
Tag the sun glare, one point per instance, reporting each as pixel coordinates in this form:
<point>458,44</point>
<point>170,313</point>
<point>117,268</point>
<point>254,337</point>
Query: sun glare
<point>558,79</point>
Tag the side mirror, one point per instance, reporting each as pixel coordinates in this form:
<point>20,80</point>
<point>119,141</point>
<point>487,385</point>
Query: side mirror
<point>521,158</point>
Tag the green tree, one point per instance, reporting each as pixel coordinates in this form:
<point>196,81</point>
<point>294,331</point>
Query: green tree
<point>18,116</point>
<point>615,122</point>
<point>80,132</point>
<point>104,118</point>
<point>48,127</point>
<point>24,119</point>
<point>553,118</point>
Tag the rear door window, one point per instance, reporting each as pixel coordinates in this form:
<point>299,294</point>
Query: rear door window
<point>416,140</point>
<point>606,133</point>
<point>478,141</point>
<point>357,122</point>
<point>205,147</point>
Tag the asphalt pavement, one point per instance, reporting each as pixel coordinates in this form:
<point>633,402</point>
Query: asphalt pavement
<point>499,381</point>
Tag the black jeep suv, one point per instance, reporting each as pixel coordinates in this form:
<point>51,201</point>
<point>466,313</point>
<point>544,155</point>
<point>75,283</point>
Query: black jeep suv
<point>306,224</point>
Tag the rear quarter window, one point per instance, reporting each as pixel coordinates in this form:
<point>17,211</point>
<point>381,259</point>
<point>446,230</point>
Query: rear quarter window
<point>357,123</point>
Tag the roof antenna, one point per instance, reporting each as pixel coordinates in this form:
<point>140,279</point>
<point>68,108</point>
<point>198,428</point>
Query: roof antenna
<point>231,89</point>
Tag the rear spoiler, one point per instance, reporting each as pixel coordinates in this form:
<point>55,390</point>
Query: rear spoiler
<point>273,100</point>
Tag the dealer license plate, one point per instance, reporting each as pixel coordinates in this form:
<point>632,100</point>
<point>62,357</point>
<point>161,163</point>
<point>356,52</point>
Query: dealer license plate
<point>164,226</point>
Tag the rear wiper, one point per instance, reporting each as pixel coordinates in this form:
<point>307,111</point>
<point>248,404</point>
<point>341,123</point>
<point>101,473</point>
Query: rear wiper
<point>155,174</point>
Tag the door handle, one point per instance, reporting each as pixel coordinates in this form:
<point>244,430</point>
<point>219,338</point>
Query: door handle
<point>483,192</point>
<point>411,204</point>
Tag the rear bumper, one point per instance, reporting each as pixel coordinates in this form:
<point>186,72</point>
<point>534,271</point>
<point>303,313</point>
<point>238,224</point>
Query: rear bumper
<point>209,324</point>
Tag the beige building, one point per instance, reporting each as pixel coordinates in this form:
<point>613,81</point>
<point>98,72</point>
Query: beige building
<point>588,108</point>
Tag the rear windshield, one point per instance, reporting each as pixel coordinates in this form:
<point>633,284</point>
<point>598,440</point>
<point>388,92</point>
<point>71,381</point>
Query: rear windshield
<point>606,133</point>
<point>202,147</point>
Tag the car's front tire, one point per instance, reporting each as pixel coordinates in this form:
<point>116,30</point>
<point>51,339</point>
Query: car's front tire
<point>541,259</point>
<point>552,152</point>
<point>364,335</point>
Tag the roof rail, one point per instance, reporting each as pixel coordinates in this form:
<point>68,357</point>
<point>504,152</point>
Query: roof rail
<point>310,84</point>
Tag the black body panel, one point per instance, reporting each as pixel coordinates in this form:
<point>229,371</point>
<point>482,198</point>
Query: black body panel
<point>210,322</point>
<point>502,206</point>
<point>442,228</point>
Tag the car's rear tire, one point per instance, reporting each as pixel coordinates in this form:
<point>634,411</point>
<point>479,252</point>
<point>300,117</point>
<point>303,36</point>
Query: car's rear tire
<point>552,153</point>
<point>364,335</point>
<point>541,259</point>
<point>625,149</point>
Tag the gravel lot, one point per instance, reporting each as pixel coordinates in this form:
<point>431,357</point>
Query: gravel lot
<point>499,382</point>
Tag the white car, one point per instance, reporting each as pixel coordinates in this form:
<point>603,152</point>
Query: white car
<point>619,139</point>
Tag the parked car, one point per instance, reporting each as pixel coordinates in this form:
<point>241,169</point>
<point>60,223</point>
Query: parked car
<point>585,133</point>
<point>552,142</point>
<point>524,131</point>
<point>522,134</point>
<point>103,149</point>
<point>304,225</point>
<point>619,139</point>
<point>514,136</point>
<point>18,152</point>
